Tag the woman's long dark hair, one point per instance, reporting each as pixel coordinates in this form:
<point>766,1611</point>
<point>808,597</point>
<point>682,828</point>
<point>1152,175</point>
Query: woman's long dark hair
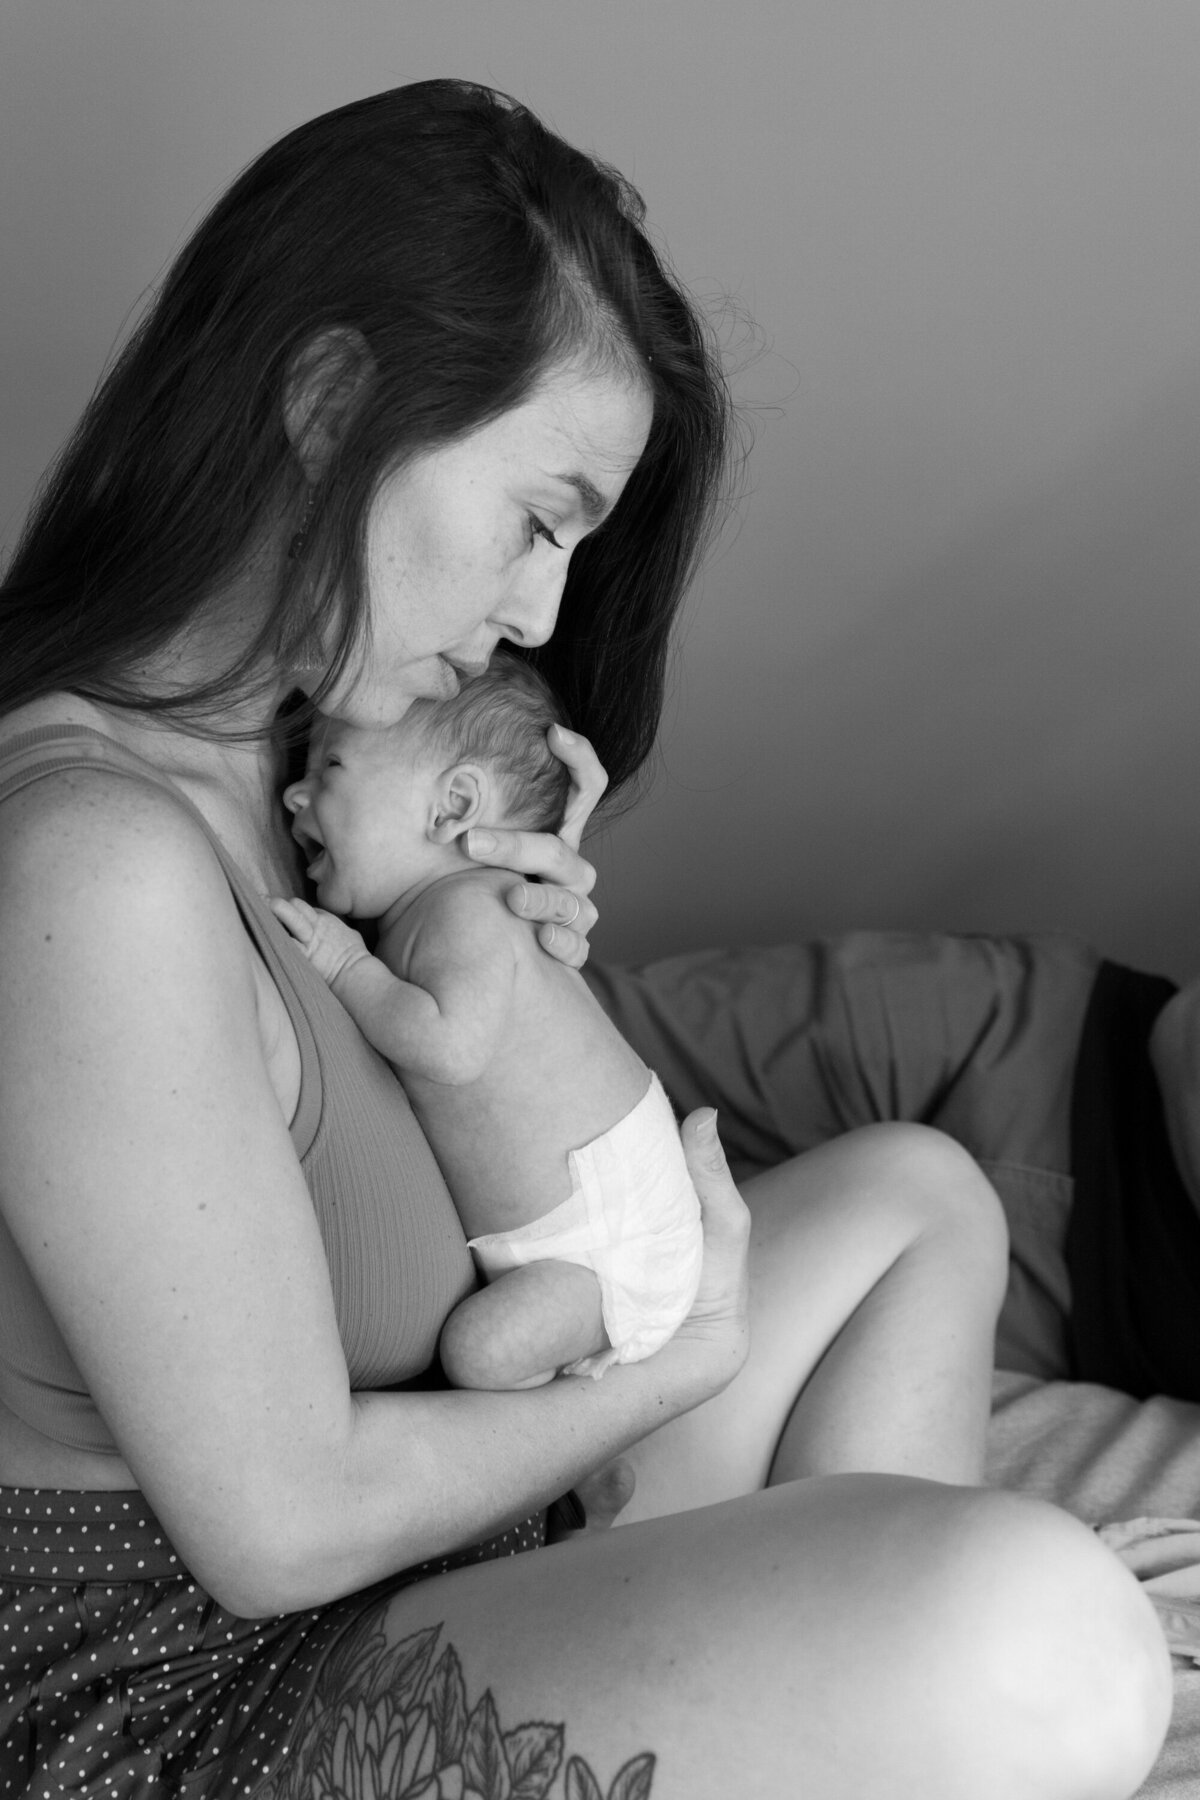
<point>471,250</point>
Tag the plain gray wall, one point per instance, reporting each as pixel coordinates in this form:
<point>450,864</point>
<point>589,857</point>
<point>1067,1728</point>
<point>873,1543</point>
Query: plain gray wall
<point>943,671</point>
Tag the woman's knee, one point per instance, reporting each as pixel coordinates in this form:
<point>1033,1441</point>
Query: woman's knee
<point>1056,1634</point>
<point>937,1183</point>
<point>1029,1654</point>
<point>979,1642</point>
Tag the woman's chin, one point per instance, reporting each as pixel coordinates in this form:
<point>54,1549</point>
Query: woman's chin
<point>375,702</point>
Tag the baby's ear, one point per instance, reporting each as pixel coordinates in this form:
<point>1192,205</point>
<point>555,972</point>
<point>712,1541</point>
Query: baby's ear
<point>459,800</point>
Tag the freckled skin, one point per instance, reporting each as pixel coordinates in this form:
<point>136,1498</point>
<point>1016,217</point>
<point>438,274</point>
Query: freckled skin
<point>457,552</point>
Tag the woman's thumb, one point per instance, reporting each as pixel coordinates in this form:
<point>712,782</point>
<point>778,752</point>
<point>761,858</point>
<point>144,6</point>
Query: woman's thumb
<point>701,1144</point>
<point>707,1166</point>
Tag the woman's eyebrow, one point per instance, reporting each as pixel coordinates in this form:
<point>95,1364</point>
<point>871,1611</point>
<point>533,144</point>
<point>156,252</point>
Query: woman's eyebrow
<point>595,506</point>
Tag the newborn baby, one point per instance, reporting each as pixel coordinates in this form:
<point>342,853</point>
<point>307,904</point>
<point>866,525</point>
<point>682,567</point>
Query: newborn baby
<point>559,1146</point>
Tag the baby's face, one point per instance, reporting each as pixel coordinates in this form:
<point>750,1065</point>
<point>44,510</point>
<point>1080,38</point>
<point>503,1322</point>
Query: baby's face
<point>360,813</point>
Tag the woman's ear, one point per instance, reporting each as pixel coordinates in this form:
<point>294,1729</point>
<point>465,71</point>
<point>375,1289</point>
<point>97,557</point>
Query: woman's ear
<point>322,389</point>
<point>460,800</point>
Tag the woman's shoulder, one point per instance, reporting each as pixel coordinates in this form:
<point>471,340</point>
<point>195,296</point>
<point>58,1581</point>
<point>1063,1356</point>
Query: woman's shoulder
<point>50,712</point>
<point>83,823</point>
<point>115,919</point>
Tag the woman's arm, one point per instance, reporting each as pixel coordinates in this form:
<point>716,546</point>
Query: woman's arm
<point>148,1176</point>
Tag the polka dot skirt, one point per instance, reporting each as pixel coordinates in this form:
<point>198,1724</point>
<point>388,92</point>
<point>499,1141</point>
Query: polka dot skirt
<point>120,1676</point>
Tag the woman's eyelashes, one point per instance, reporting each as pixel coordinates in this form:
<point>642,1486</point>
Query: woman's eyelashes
<point>537,529</point>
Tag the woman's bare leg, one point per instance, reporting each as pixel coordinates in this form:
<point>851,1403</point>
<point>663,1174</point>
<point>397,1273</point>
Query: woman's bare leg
<point>905,1387</point>
<point>877,1267</point>
<point>845,1638</point>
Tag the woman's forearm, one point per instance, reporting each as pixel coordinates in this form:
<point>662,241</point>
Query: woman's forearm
<point>416,1475</point>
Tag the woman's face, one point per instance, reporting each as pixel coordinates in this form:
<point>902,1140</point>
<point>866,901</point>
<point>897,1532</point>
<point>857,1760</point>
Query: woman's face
<point>469,543</point>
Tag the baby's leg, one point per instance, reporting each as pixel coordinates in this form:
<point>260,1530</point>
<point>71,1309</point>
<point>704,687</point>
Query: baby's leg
<point>522,1328</point>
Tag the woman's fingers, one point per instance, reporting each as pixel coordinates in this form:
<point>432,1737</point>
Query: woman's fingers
<point>563,945</point>
<point>567,919</point>
<point>563,919</point>
<point>558,901</point>
<point>537,853</point>
<point>588,781</point>
<point>722,1302</point>
<point>723,1207</point>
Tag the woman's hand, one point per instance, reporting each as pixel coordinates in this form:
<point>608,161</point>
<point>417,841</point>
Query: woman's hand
<point>719,1321</point>
<point>713,1340</point>
<point>559,898</point>
<point>721,1310</point>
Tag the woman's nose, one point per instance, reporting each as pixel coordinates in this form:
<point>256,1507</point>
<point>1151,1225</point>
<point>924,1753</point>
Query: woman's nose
<point>531,615</point>
<point>295,796</point>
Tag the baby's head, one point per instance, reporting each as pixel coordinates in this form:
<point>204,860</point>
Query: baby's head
<point>384,809</point>
<point>499,721</point>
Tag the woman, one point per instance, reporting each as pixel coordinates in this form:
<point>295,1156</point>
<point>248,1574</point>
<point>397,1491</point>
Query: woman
<point>406,370</point>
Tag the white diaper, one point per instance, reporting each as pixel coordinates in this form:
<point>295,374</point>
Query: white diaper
<point>633,1219</point>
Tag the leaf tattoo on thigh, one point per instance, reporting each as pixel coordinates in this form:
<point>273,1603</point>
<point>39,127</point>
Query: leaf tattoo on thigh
<point>388,1722</point>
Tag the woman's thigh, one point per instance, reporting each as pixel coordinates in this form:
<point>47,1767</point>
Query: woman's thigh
<point>840,1639</point>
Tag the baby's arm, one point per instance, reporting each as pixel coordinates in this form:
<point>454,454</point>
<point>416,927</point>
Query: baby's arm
<point>330,945</point>
<point>446,1029</point>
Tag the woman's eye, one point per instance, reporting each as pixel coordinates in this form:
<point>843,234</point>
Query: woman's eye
<point>538,530</point>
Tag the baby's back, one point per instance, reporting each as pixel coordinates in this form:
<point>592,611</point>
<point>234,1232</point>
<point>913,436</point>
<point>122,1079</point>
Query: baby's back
<point>559,1076</point>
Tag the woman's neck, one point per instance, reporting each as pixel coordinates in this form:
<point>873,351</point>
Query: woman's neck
<point>235,783</point>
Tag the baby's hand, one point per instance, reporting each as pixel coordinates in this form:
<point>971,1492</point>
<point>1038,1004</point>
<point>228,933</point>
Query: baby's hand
<point>330,945</point>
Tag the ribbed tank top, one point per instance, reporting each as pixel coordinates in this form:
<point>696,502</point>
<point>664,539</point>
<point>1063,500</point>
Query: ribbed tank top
<point>397,1257</point>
